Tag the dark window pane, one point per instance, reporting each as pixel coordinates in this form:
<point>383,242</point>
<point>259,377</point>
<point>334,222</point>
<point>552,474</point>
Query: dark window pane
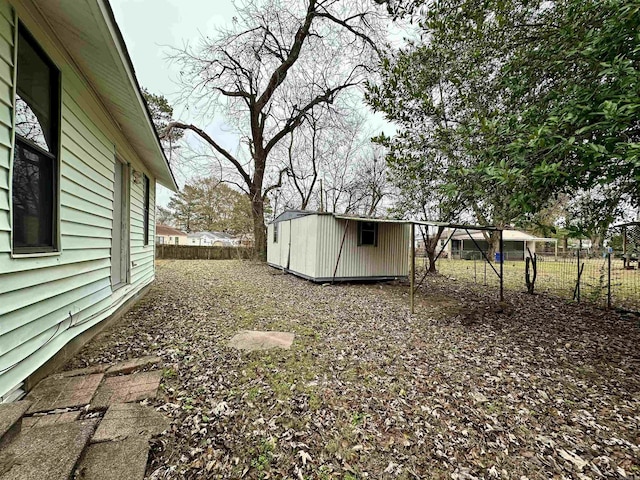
<point>146,210</point>
<point>36,88</point>
<point>33,200</point>
<point>35,164</point>
<point>368,233</point>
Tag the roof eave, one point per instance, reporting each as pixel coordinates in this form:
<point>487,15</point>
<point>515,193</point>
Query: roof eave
<point>169,180</point>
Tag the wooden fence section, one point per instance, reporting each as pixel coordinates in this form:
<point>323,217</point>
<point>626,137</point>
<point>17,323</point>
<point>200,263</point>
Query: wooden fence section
<point>194,252</point>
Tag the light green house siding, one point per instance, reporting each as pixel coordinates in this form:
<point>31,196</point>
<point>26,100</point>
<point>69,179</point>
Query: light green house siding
<point>310,246</point>
<point>45,301</point>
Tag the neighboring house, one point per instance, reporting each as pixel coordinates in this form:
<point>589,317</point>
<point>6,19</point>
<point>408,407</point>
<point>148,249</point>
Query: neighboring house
<point>166,235</point>
<point>79,162</point>
<point>463,245</point>
<point>324,246</point>
<point>213,239</point>
<point>246,240</point>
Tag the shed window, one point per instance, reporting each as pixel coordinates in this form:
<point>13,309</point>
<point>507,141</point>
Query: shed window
<point>35,161</point>
<point>146,210</point>
<point>275,233</point>
<point>368,233</point>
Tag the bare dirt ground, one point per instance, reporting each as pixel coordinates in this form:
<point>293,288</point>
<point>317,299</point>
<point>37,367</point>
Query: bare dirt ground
<point>463,389</point>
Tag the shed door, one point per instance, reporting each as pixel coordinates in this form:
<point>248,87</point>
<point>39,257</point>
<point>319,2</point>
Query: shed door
<point>120,232</point>
<point>285,248</point>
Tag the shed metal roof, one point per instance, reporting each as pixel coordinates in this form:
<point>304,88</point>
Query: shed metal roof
<point>292,214</point>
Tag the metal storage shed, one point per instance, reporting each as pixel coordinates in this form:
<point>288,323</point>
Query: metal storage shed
<point>326,247</point>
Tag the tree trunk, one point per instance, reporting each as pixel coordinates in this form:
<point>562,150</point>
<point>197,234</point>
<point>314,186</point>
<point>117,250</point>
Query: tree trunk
<point>259,232</point>
<point>494,246</point>
<point>430,246</point>
<point>431,254</point>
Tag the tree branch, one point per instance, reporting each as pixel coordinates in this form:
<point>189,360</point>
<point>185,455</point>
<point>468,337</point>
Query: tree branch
<point>293,122</point>
<point>344,24</point>
<point>277,185</point>
<point>279,74</point>
<point>205,136</point>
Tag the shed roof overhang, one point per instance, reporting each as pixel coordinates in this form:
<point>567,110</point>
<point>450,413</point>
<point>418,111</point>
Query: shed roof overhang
<point>90,34</point>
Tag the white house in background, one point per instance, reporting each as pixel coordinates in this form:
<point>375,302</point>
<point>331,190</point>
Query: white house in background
<point>166,235</point>
<point>325,246</point>
<point>79,162</point>
<point>213,239</point>
<point>463,245</point>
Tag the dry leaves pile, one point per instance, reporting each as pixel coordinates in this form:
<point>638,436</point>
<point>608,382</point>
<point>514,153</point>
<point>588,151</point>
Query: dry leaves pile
<point>463,389</point>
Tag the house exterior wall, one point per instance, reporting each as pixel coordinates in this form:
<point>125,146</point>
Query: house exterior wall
<point>171,239</point>
<point>45,301</point>
<point>513,249</point>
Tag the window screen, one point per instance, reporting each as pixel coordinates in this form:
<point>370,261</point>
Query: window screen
<point>275,233</point>
<point>35,162</point>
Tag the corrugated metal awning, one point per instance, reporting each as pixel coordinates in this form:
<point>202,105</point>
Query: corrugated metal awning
<point>370,219</point>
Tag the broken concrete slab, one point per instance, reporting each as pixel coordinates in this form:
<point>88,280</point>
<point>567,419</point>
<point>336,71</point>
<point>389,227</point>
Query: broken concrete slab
<point>83,371</point>
<point>256,340</point>
<point>133,365</point>
<point>62,392</point>
<point>47,452</point>
<point>130,420</point>
<point>50,419</point>
<point>126,459</point>
<point>126,388</point>
<point>11,420</point>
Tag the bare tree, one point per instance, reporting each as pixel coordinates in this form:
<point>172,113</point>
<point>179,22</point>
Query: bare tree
<point>268,72</point>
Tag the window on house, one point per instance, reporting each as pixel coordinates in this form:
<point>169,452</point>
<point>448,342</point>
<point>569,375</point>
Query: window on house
<point>368,233</point>
<point>35,162</point>
<point>275,233</point>
<point>146,209</point>
<point>176,241</point>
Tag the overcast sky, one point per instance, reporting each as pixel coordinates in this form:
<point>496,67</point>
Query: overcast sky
<point>150,27</point>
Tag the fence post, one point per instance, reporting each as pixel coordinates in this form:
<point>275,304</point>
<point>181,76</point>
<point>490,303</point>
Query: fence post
<point>501,266</point>
<point>578,280</point>
<point>608,280</point>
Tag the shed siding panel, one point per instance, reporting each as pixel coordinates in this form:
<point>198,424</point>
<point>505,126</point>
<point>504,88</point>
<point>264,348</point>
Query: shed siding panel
<point>389,259</point>
<point>46,301</point>
<point>273,248</point>
<point>304,244</point>
<point>315,246</point>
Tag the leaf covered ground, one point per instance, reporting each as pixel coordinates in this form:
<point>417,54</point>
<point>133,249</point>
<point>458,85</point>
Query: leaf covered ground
<point>465,388</point>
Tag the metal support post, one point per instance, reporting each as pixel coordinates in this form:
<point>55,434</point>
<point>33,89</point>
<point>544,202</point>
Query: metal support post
<point>413,265</point>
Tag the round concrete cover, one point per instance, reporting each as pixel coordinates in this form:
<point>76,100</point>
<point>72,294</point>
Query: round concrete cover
<point>256,340</point>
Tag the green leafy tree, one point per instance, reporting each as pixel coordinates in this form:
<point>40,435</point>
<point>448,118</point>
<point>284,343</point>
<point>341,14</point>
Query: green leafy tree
<point>442,94</point>
<point>221,208</point>
<point>207,204</point>
<point>184,206</point>
<point>164,216</point>
<point>162,114</point>
<point>519,102</point>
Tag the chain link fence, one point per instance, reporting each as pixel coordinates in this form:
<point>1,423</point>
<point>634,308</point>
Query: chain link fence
<point>607,276</point>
